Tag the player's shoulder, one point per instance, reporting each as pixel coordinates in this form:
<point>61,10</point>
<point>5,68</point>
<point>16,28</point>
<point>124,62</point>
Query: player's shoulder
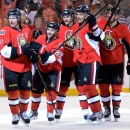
<point>123,27</point>
<point>25,27</point>
<point>41,38</point>
<point>4,30</point>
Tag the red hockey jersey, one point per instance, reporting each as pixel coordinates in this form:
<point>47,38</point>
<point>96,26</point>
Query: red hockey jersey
<point>50,47</point>
<point>111,49</point>
<point>64,33</point>
<point>8,34</point>
<point>89,48</point>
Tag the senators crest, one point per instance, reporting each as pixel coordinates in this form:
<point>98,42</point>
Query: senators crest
<point>72,42</point>
<point>109,43</point>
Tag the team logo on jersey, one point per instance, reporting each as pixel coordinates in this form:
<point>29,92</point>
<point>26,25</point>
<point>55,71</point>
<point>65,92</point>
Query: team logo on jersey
<point>109,43</point>
<point>2,32</point>
<point>22,42</point>
<point>71,43</point>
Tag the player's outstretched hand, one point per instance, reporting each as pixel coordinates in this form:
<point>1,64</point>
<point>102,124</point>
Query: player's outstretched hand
<point>91,20</point>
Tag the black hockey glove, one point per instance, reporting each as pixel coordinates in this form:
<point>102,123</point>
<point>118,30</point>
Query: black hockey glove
<point>36,34</point>
<point>26,49</point>
<point>91,20</point>
<point>128,67</point>
<point>33,56</point>
<point>44,57</point>
<point>35,45</point>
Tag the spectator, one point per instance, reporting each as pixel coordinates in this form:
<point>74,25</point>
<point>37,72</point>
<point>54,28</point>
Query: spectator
<point>31,14</point>
<point>38,26</point>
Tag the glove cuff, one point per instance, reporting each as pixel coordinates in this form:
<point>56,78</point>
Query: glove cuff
<point>42,50</point>
<point>95,27</point>
<point>19,50</point>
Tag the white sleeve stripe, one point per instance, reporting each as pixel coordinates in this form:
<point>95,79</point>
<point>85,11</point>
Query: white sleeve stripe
<point>6,51</point>
<point>51,59</point>
<point>102,35</point>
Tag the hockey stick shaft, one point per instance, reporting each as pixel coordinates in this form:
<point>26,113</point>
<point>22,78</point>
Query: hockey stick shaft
<point>61,45</point>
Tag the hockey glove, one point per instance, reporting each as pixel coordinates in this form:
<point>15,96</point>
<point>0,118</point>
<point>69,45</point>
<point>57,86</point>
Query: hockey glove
<point>35,45</point>
<point>44,57</point>
<point>128,67</point>
<point>91,20</point>
<point>33,56</point>
<point>36,34</point>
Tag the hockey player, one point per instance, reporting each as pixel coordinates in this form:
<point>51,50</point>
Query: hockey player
<point>67,28</point>
<point>50,67</point>
<point>88,59</point>
<point>16,65</point>
<point>112,56</point>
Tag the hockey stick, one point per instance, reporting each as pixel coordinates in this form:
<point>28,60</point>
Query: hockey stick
<point>61,45</point>
<point>112,14</point>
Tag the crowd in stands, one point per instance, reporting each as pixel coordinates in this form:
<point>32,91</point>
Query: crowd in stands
<point>38,13</point>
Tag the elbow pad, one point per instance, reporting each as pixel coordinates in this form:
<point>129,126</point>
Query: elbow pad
<point>9,52</point>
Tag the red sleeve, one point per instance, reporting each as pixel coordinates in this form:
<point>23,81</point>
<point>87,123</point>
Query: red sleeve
<point>6,36</point>
<point>126,33</point>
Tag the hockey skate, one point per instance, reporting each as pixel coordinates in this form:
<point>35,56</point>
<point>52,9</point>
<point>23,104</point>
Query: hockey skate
<point>33,115</point>
<point>116,113</point>
<point>15,120</point>
<point>58,115</point>
<point>97,118</point>
<point>24,118</point>
<point>107,113</point>
<point>50,117</point>
<point>87,117</point>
